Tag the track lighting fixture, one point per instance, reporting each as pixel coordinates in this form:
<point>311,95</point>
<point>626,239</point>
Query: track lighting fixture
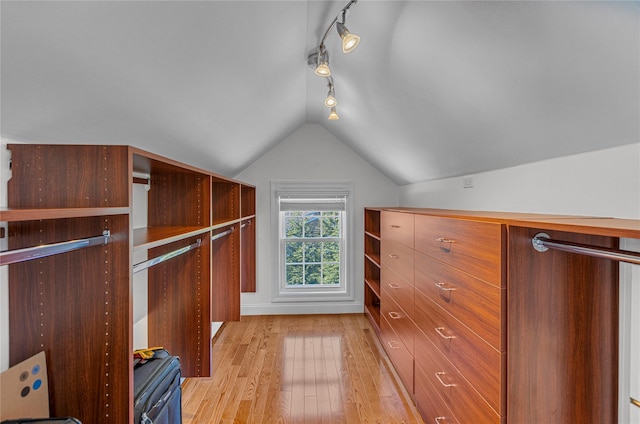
<point>322,65</point>
<point>318,59</point>
<point>349,41</point>
<point>330,101</point>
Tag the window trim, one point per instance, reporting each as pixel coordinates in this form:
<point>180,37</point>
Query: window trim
<point>319,293</point>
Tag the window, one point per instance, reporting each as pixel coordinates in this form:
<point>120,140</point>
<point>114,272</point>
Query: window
<point>312,238</point>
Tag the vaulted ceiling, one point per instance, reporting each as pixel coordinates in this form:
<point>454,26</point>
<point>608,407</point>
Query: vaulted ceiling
<point>435,89</point>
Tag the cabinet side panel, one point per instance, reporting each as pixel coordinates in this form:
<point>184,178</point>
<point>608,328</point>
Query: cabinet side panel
<point>178,306</point>
<point>563,332</point>
<point>248,256</point>
<point>76,307</point>
<point>225,283</point>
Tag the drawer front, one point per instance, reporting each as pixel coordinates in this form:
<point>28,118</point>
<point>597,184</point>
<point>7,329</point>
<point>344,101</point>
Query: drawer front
<point>397,226</point>
<point>400,357</point>
<point>472,301</point>
<point>464,402</point>
<point>432,408</point>
<point>479,362</point>
<point>397,257</point>
<point>398,289</point>
<point>472,246</point>
<point>399,321</point>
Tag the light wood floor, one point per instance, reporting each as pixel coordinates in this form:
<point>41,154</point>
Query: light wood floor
<point>298,369</point>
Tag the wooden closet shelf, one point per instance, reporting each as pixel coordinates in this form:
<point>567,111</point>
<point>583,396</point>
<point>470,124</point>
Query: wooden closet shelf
<point>34,214</point>
<point>147,238</point>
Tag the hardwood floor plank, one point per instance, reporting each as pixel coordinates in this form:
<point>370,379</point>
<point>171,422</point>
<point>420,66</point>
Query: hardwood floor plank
<point>298,369</point>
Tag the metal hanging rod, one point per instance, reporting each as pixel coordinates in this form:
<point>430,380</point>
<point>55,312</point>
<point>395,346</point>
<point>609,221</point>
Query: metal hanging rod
<point>222,234</point>
<point>151,262</point>
<point>36,252</point>
<point>245,224</point>
<point>542,242</point>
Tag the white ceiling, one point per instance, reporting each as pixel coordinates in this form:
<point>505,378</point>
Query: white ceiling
<point>435,89</point>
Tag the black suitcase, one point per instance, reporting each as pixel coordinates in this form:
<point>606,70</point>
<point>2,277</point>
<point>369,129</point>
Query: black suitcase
<point>157,397</point>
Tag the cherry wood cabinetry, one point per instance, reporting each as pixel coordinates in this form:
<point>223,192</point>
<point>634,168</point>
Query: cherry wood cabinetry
<point>577,333</point>
<point>372,266</point>
<point>398,292</point>
<point>446,257</point>
<point>77,306</point>
<point>248,238</point>
<point>482,327</point>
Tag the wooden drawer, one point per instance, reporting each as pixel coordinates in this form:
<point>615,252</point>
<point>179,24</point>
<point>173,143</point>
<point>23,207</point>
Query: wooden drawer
<point>399,258</point>
<point>432,408</point>
<point>398,289</point>
<point>472,246</point>
<point>478,362</point>
<point>402,359</point>
<point>472,301</point>
<point>465,403</point>
<point>399,321</point>
<point>397,226</point>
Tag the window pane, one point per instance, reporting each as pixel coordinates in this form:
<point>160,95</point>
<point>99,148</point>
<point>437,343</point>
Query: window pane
<point>331,251</point>
<point>331,274</point>
<point>312,227</point>
<point>294,275</point>
<point>312,274</point>
<point>293,225</point>
<point>331,226</point>
<point>294,252</point>
<point>313,252</point>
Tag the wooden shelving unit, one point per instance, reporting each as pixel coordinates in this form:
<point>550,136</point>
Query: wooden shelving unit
<point>77,306</point>
<point>226,204</point>
<point>248,239</point>
<point>372,266</point>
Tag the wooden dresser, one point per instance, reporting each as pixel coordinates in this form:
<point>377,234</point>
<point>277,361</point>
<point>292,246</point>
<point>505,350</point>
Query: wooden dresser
<point>482,328</point>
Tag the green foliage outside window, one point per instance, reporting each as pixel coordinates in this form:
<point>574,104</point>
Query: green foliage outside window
<point>312,247</point>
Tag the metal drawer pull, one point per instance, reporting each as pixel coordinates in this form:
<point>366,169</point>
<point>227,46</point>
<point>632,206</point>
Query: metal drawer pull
<point>444,240</point>
<point>438,374</point>
<point>393,256</point>
<point>393,345</point>
<point>439,331</point>
<point>395,226</point>
<point>394,285</point>
<point>441,420</point>
<point>394,315</point>
<point>443,288</point>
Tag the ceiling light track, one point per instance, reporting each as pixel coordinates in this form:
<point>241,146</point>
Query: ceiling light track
<point>318,58</point>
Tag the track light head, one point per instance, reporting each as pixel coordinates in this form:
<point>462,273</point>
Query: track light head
<point>349,41</point>
<point>333,116</point>
<point>318,60</point>
<point>322,68</point>
<point>330,101</point>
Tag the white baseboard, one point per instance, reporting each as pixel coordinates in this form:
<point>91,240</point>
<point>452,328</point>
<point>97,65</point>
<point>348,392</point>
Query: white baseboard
<point>215,327</point>
<point>301,309</point>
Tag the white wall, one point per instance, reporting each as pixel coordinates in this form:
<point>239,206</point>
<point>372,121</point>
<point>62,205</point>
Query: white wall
<point>600,183</point>
<point>310,154</point>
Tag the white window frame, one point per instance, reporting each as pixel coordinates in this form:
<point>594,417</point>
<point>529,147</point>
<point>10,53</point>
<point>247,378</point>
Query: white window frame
<point>315,293</point>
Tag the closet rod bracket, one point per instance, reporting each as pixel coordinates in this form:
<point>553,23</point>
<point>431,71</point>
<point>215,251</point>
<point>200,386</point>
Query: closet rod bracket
<point>541,242</point>
<point>538,242</point>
